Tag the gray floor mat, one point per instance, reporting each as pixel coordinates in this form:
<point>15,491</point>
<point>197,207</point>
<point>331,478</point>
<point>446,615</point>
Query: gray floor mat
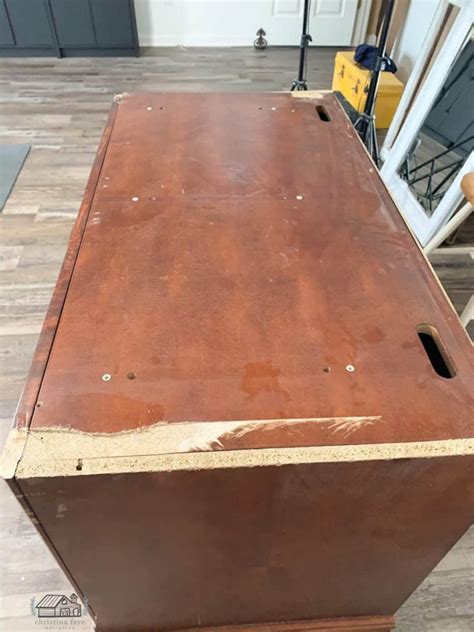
<point>12,158</point>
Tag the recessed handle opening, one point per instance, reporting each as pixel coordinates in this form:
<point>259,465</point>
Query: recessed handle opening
<point>323,113</point>
<point>437,354</point>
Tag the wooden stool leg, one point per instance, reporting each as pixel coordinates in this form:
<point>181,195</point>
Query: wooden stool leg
<point>449,228</point>
<point>468,312</point>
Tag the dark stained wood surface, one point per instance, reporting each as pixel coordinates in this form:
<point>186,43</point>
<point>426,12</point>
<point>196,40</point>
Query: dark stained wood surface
<point>33,382</point>
<point>353,624</point>
<point>162,551</point>
<point>240,253</point>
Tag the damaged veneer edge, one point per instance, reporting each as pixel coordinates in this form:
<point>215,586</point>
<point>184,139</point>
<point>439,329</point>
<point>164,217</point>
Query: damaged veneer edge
<point>192,446</point>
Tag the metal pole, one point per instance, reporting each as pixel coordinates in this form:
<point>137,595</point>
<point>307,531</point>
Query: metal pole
<point>381,51</point>
<point>300,83</point>
<point>365,124</point>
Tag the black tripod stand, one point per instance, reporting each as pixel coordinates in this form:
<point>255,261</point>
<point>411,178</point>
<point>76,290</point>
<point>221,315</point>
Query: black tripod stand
<point>300,83</point>
<point>365,124</point>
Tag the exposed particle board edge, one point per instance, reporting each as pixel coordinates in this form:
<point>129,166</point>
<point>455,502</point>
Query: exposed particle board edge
<point>86,465</point>
<point>37,444</point>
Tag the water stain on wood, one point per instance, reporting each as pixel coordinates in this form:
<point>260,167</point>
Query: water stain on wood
<point>262,377</point>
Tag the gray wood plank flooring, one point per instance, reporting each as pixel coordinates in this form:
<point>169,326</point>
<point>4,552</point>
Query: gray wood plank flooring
<point>60,108</point>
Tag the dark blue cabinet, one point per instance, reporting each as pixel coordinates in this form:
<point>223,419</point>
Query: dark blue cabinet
<point>73,23</point>
<point>30,23</point>
<point>6,31</point>
<point>67,27</point>
<point>112,28</point>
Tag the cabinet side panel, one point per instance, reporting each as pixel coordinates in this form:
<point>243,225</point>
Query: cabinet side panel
<point>254,545</point>
<point>18,493</point>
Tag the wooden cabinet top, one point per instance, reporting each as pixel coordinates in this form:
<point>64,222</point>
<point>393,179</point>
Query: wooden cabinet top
<point>239,278</point>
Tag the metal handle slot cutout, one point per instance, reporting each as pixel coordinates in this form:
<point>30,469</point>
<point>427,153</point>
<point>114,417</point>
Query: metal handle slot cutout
<point>436,351</point>
<point>323,113</point>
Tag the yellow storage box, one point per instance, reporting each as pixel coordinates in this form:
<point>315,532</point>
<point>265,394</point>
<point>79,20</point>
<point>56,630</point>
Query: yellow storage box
<point>353,81</point>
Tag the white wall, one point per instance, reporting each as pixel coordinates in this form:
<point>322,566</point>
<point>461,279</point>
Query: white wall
<point>196,22</point>
<point>408,44</point>
<point>235,22</point>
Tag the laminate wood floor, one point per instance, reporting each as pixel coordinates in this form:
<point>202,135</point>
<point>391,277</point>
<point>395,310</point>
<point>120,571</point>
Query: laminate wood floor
<point>60,108</point>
